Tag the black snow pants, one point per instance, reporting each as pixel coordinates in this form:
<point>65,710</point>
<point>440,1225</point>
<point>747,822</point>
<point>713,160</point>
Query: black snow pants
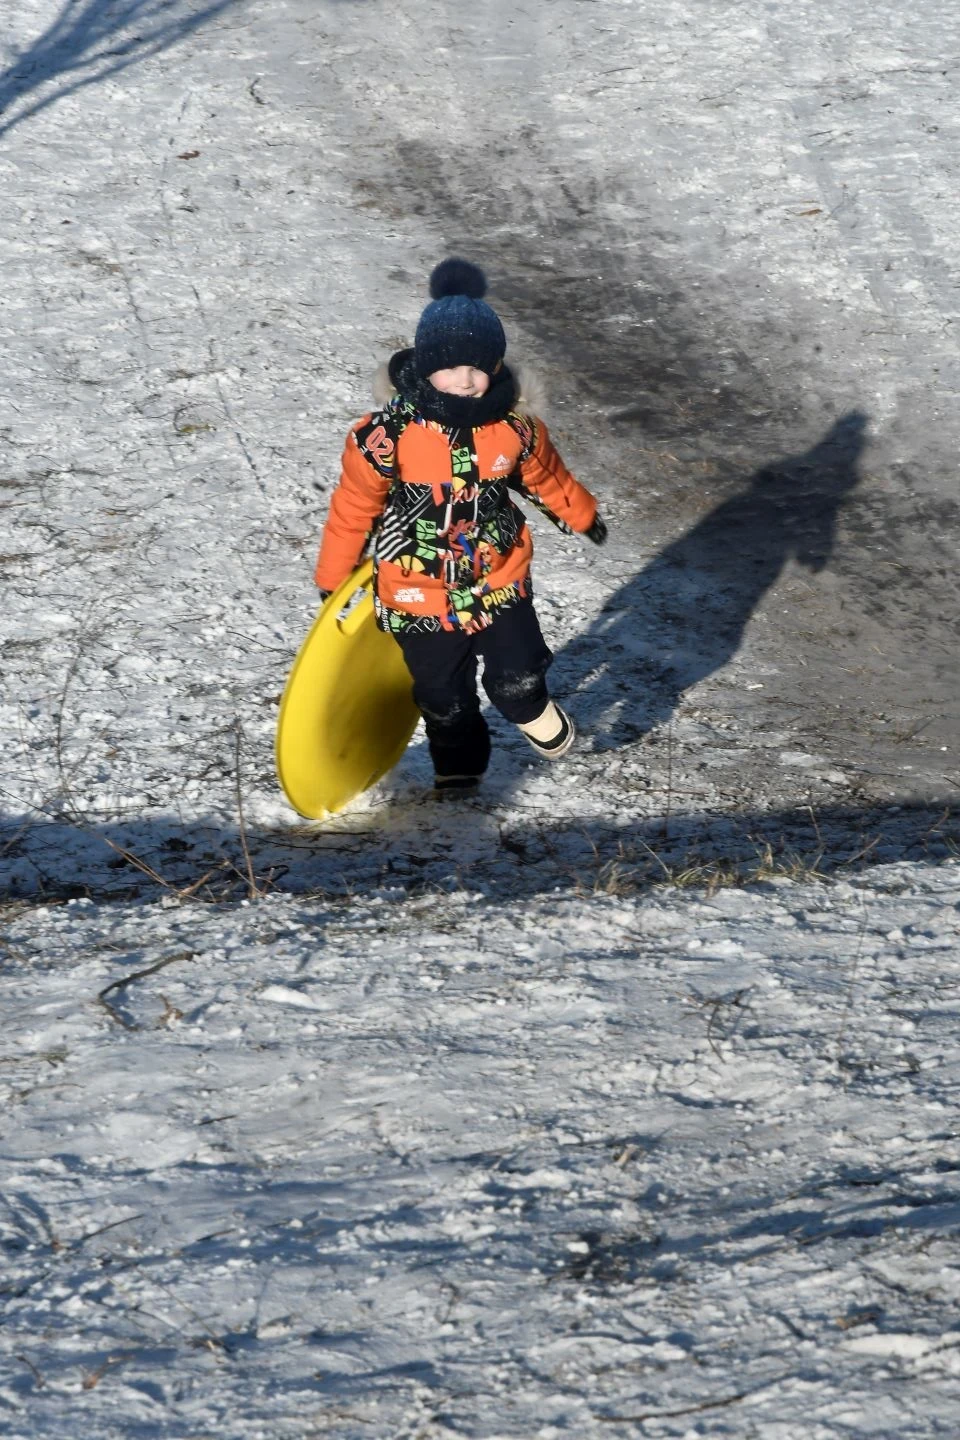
<point>443,664</point>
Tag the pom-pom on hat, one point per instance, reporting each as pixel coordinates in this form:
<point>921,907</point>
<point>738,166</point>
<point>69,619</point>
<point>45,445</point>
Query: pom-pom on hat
<point>458,327</point>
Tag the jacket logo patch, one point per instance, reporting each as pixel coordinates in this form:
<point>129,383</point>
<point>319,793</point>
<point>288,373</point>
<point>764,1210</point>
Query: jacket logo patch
<point>380,445</point>
<point>409,595</point>
<point>503,462</point>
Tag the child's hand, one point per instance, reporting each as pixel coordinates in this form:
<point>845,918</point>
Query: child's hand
<point>598,530</point>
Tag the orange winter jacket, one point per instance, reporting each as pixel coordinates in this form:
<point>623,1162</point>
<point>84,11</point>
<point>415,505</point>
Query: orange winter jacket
<point>451,546</point>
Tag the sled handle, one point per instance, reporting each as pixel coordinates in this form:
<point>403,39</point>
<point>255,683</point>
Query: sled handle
<point>355,611</point>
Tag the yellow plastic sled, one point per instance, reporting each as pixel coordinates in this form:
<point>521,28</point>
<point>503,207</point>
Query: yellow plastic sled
<point>347,712</point>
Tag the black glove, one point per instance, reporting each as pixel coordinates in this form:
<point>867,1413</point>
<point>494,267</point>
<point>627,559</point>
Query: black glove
<point>324,596</point>
<point>598,530</point>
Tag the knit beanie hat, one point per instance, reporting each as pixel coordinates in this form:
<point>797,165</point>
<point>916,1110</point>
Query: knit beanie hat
<point>458,327</point>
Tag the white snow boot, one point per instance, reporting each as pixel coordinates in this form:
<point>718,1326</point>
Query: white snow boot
<point>552,733</point>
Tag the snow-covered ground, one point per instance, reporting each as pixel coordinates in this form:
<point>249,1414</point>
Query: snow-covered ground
<point>679,1163</point>
<point>620,1099</point>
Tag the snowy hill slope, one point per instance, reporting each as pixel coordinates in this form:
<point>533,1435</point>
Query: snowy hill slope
<point>620,1100</point>
<point>678,1164</point>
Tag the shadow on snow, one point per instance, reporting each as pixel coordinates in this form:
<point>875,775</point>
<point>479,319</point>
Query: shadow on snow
<point>420,846</point>
<point>683,616</point>
<point>679,620</point>
<point>89,41</point>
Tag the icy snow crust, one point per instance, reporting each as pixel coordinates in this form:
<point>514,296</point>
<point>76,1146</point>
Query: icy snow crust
<point>679,1165</point>
<point>621,1099</point>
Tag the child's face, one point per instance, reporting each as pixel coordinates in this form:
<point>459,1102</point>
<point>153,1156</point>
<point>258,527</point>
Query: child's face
<point>462,380</point>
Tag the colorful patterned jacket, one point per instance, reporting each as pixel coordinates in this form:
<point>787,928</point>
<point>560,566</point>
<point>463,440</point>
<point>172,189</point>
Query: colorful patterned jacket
<point>451,547</point>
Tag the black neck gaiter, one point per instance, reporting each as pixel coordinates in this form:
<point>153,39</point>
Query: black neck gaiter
<point>452,411</point>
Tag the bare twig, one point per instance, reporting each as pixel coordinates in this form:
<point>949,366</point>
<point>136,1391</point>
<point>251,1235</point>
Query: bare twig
<point>669,807</point>
<point>33,1370</point>
<point>253,890</point>
<point>58,728</point>
<point>863,852</point>
<point>211,1340</point>
<point>137,975</point>
<point>91,1381</point>
<point>131,859</point>
<point>852,984</point>
<point>716,1006</point>
<point>654,856</point>
<point>16,837</point>
<point>102,1229</point>
<point>184,892</point>
<point>72,818</point>
<point>718,1404</point>
<point>816,828</point>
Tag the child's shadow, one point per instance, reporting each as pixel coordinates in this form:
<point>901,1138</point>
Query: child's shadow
<point>683,616</point>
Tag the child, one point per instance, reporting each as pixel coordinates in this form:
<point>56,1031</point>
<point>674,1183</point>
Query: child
<point>429,475</point>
